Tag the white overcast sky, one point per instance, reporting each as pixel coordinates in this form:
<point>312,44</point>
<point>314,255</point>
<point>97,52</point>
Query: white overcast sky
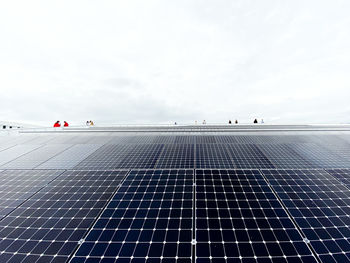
<point>163,61</point>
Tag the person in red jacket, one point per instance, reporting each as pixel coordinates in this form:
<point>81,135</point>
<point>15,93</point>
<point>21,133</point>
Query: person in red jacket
<point>65,124</point>
<point>57,124</point>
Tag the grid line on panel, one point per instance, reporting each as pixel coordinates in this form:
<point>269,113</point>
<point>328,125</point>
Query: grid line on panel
<point>17,186</point>
<point>320,205</point>
<point>150,217</point>
<point>239,219</point>
<point>48,226</point>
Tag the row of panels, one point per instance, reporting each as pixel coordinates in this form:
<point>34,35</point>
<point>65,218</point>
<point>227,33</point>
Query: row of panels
<point>175,216</point>
<point>112,138</point>
<point>176,156</point>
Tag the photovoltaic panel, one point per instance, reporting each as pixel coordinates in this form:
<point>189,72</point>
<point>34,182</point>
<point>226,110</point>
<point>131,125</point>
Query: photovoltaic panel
<point>205,139</point>
<point>36,157</point>
<point>248,156</point>
<point>225,139</point>
<point>95,139</point>
<point>213,156</point>
<point>40,139</point>
<point>320,157</point>
<point>283,156</point>
<point>239,219</point>
<point>17,186</point>
<point>143,139</point>
<point>49,225</point>
<point>141,156</point>
<point>185,139</point>
<point>15,152</point>
<point>164,139</point>
<point>342,175</point>
<point>149,219</point>
<point>65,138</point>
<point>176,156</point>
<point>339,149</point>
<point>106,157</point>
<point>121,139</point>
<point>242,139</point>
<point>320,205</point>
<point>70,157</point>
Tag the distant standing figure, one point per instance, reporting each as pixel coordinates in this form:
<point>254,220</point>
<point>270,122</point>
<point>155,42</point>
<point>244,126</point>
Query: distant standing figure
<point>229,122</point>
<point>175,123</point>
<point>236,121</point>
<point>65,124</point>
<point>204,122</point>
<point>92,123</point>
<point>57,124</point>
<point>255,121</point>
<point>87,123</point>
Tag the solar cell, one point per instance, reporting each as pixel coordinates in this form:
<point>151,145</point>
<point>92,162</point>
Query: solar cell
<point>320,205</point>
<point>49,225</point>
<point>149,219</point>
<point>239,219</point>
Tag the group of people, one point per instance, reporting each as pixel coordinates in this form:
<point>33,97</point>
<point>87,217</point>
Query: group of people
<point>65,124</point>
<point>58,124</point>
<point>90,123</point>
<point>230,122</point>
<point>255,121</point>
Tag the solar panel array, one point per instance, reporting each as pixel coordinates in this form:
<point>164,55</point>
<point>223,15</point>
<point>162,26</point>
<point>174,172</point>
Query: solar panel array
<point>171,198</point>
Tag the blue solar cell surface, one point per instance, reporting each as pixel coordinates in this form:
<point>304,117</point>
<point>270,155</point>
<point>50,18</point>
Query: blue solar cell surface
<point>320,206</point>
<point>175,197</point>
<point>239,219</point>
<point>149,219</point>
